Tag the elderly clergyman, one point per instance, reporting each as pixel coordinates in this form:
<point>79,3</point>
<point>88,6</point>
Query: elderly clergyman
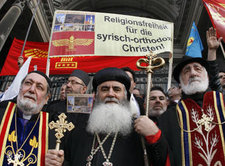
<point>195,128</point>
<point>24,127</point>
<point>111,137</point>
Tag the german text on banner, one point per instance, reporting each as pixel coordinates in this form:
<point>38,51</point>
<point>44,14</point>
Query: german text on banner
<point>216,11</point>
<point>77,33</point>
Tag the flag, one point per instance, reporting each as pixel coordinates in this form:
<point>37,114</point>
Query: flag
<point>216,11</point>
<point>60,65</point>
<point>14,88</point>
<point>194,44</point>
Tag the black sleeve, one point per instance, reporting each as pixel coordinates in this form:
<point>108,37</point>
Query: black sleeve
<point>214,81</point>
<point>158,152</point>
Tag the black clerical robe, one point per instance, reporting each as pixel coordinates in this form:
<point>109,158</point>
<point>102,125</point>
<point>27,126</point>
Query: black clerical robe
<point>127,150</point>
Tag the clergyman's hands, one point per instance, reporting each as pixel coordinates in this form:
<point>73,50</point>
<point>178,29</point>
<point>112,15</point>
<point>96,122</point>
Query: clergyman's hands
<point>54,158</point>
<point>212,43</point>
<point>145,126</point>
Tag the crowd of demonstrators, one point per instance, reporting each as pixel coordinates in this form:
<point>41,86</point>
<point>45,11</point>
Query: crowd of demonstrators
<point>110,138</point>
<point>179,130</point>
<point>23,123</point>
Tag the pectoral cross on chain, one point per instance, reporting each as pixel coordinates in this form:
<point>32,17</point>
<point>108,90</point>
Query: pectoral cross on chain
<point>205,121</point>
<point>60,127</point>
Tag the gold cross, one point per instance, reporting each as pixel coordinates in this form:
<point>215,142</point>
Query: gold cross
<point>205,121</point>
<point>60,127</point>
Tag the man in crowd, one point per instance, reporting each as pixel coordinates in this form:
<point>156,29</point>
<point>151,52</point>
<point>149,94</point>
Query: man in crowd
<point>222,79</point>
<point>138,101</point>
<point>23,123</point>
<point>174,94</point>
<point>77,84</point>
<point>157,102</point>
<point>111,137</point>
<point>62,94</point>
<point>195,128</point>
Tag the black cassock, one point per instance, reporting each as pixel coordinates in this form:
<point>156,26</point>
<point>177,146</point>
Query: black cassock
<point>126,152</point>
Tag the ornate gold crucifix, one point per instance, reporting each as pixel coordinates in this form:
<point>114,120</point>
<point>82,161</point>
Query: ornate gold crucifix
<point>60,127</point>
<point>152,64</point>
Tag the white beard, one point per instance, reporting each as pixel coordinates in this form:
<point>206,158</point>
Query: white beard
<point>196,86</point>
<point>110,118</point>
<point>28,106</point>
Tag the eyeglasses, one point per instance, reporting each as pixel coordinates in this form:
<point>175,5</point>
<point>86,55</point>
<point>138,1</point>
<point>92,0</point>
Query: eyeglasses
<point>73,82</point>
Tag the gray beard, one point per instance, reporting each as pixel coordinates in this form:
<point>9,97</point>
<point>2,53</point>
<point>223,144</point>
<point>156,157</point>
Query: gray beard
<point>110,118</point>
<point>195,87</point>
<point>27,106</point>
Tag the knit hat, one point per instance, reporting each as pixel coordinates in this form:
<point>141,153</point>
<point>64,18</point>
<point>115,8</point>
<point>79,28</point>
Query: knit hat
<point>81,75</point>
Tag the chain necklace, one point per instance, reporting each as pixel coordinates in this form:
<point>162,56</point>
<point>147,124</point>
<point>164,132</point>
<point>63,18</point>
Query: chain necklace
<point>94,150</point>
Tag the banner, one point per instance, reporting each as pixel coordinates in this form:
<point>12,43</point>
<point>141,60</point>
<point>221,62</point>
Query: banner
<point>78,33</point>
<point>61,65</point>
<point>216,11</point>
<point>194,44</point>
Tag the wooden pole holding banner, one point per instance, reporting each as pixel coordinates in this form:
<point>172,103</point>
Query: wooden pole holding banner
<point>170,61</point>
<point>50,41</point>
<point>170,71</point>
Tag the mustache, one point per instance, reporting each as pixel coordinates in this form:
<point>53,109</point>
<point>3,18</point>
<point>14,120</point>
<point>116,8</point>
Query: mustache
<point>194,79</point>
<point>109,99</point>
<point>31,96</point>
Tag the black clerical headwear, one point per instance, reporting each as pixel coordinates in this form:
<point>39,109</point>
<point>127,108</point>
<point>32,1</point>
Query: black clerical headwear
<point>81,75</point>
<point>111,74</point>
<point>186,60</point>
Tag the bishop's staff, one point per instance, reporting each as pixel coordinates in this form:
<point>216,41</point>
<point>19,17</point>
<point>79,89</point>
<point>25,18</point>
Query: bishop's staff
<point>152,64</point>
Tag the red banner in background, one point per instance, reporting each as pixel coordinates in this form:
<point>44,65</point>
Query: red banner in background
<point>216,11</point>
<point>60,65</point>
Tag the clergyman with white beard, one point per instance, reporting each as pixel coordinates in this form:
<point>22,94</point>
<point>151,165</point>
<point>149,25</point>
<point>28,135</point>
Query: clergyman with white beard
<point>24,125</point>
<point>195,128</point>
<point>111,136</point>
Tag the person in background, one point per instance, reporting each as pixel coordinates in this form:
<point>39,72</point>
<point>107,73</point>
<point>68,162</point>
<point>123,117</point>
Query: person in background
<point>174,94</point>
<point>137,92</point>
<point>222,79</point>
<point>62,94</point>
<point>20,61</point>
<point>157,103</point>
<point>77,84</point>
<point>137,101</point>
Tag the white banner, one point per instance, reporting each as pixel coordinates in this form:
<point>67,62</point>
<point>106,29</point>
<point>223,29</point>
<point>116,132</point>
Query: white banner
<point>103,34</point>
